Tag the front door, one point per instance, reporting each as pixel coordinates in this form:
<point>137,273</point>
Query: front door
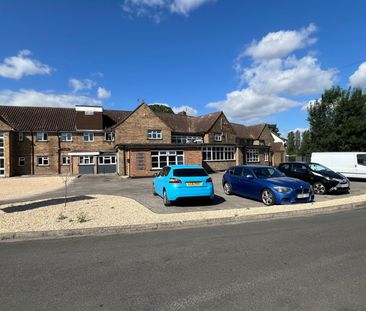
<point>2,154</point>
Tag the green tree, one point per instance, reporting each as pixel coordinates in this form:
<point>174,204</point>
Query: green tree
<point>338,121</point>
<point>305,148</point>
<point>274,128</point>
<point>291,143</point>
<point>161,108</point>
<point>297,142</point>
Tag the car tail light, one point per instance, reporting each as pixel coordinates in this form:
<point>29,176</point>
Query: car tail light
<point>175,181</point>
<point>209,179</point>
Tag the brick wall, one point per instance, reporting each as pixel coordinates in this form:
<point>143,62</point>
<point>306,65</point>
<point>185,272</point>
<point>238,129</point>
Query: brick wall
<point>137,157</point>
<point>213,166</point>
<point>222,125</point>
<point>134,129</point>
<point>50,148</point>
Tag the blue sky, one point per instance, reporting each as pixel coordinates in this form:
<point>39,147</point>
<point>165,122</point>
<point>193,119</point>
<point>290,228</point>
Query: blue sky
<point>258,61</point>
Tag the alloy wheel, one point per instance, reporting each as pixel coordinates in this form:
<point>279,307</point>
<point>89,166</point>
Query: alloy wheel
<point>267,197</point>
<point>227,188</point>
<point>319,188</point>
<point>165,199</point>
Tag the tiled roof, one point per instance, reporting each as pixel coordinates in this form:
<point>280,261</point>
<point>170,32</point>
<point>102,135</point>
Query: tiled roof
<point>253,131</point>
<point>180,123</point>
<point>51,119</point>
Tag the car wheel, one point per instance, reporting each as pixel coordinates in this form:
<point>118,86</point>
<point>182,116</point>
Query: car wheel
<point>166,201</point>
<point>227,188</point>
<point>268,197</point>
<point>319,188</point>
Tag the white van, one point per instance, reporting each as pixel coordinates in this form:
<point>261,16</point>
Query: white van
<point>350,164</point>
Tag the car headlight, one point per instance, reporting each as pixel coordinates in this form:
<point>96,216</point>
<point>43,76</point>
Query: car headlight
<point>282,189</point>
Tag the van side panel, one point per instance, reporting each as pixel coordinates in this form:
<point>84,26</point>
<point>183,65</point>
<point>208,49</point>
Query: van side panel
<point>342,162</point>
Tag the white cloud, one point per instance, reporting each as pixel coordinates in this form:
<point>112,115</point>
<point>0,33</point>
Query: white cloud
<point>300,129</point>
<point>44,99</point>
<point>103,93</point>
<point>247,105</point>
<point>155,9</point>
<point>309,104</point>
<point>276,77</point>
<point>16,67</point>
<point>189,110</point>
<point>81,85</point>
<point>290,76</point>
<point>358,78</point>
<point>281,43</point>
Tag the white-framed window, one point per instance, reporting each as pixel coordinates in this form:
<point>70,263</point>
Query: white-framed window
<point>109,136</point>
<point>21,161</point>
<point>266,157</point>
<point>154,134</point>
<point>106,160</point>
<point>65,160</point>
<point>88,136</point>
<point>86,160</point>
<point>162,158</point>
<point>42,136</point>
<point>187,139</point>
<point>226,153</point>
<point>252,155</point>
<point>43,161</point>
<point>66,136</point>
<point>217,137</point>
<point>20,136</point>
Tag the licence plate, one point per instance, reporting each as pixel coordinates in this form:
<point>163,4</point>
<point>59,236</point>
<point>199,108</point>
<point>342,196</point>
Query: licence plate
<point>303,195</point>
<point>194,183</point>
<point>343,185</point>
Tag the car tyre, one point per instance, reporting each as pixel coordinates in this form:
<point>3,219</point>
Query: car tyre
<point>166,201</point>
<point>228,190</point>
<point>268,197</point>
<point>319,188</point>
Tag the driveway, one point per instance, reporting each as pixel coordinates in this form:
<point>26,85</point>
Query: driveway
<point>141,190</point>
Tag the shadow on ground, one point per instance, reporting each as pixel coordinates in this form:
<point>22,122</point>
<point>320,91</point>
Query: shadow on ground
<point>44,203</point>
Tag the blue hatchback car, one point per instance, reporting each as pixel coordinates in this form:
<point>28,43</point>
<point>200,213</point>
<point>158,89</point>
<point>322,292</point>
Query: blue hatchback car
<point>183,181</point>
<point>267,184</point>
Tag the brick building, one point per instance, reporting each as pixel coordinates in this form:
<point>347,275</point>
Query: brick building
<point>91,140</point>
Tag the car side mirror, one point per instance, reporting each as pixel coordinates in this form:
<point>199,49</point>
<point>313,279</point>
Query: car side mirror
<point>156,174</point>
<point>249,176</point>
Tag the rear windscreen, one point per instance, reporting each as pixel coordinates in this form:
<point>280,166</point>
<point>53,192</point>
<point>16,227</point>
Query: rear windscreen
<point>189,172</point>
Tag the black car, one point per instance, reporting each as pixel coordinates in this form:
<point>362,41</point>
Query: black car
<point>320,177</point>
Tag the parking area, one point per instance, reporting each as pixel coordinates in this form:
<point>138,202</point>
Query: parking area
<point>141,191</point>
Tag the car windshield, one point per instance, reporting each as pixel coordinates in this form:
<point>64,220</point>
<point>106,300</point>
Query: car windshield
<point>267,172</point>
<point>318,167</point>
<point>189,172</point>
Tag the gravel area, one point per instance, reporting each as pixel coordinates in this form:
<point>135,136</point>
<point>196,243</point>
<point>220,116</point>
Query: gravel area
<point>19,187</point>
<point>108,210</point>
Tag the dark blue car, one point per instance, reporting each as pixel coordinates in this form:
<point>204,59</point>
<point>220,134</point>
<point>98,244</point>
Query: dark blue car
<point>267,184</point>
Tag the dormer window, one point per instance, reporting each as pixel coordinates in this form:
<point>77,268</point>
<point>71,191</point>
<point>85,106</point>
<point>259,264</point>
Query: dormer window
<point>218,137</point>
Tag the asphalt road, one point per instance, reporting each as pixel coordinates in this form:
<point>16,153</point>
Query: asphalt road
<point>313,263</point>
<point>140,189</point>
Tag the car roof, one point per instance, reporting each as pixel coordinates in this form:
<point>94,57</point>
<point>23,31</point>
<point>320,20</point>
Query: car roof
<point>252,166</point>
<point>184,166</point>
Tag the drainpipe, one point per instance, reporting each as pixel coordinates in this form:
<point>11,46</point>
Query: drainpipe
<point>32,154</point>
<point>59,152</point>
